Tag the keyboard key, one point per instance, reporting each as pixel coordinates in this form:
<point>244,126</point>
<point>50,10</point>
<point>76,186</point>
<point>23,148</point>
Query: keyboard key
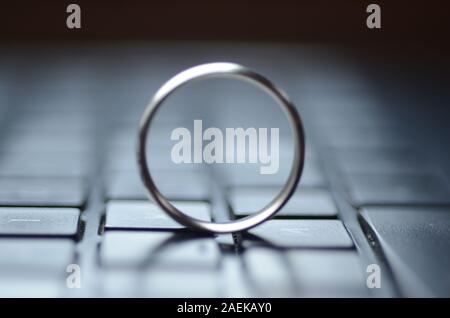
<point>67,192</point>
<point>48,141</point>
<point>32,285</point>
<point>305,273</point>
<point>304,202</point>
<point>416,243</point>
<point>328,273</point>
<point>248,175</point>
<point>381,160</point>
<point>147,215</point>
<point>161,283</point>
<point>175,185</point>
<point>158,249</point>
<point>124,159</point>
<point>195,283</point>
<point>56,120</point>
<point>43,164</point>
<point>397,189</point>
<point>274,279</point>
<point>364,136</point>
<point>39,221</point>
<point>303,233</point>
<point>39,255</point>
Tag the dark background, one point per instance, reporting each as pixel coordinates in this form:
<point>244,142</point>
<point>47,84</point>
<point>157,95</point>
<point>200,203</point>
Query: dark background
<point>324,21</point>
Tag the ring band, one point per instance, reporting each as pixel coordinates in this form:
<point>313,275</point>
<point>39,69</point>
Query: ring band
<point>235,71</point>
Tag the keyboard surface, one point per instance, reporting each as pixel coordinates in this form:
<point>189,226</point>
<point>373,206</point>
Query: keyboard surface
<point>375,188</point>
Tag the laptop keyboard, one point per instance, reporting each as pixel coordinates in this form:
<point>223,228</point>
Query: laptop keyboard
<point>373,190</point>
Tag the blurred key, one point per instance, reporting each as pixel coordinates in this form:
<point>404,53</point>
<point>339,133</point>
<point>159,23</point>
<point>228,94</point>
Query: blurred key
<point>43,164</point>
<point>68,192</point>
<point>38,141</point>
<point>153,249</point>
<point>55,120</point>
<point>124,159</point>
<point>32,285</point>
<point>147,215</point>
<point>364,136</point>
<point>176,185</point>
<point>416,243</point>
<point>160,283</point>
<point>248,175</point>
<point>304,273</point>
<point>274,279</point>
<point>39,221</point>
<point>328,273</point>
<point>38,254</point>
<point>398,189</point>
<point>381,160</point>
<point>304,202</point>
<point>303,233</point>
<point>195,283</point>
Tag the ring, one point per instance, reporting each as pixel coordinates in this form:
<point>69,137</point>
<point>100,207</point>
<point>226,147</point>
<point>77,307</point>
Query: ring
<point>235,71</point>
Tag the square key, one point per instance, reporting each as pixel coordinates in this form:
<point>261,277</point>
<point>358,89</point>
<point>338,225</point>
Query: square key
<point>44,164</point>
<point>147,250</point>
<point>398,189</point>
<point>39,221</point>
<point>303,234</point>
<point>161,283</point>
<point>46,256</point>
<point>305,273</point>
<point>329,273</point>
<point>125,185</point>
<point>49,192</point>
<point>147,215</point>
<point>381,160</point>
<point>304,202</point>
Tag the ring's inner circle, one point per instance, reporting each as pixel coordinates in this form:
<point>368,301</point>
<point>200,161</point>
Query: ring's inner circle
<point>219,142</point>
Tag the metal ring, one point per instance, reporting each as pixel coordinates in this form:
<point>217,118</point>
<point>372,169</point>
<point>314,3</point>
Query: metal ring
<point>228,70</point>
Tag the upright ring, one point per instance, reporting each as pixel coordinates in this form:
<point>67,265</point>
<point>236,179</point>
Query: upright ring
<point>228,70</point>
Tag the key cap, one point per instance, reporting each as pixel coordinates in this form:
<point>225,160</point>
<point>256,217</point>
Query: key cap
<point>150,249</point>
<point>56,120</point>
<point>43,164</point>
<point>39,255</point>
<point>179,185</point>
<point>67,192</point>
<point>363,136</point>
<point>32,285</point>
<point>416,244</point>
<point>381,160</point>
<point>336,273</point>
<point>196,283</point>
<point>48,141</point>
<point>303,233</point>
<point>160,283</point>
<point>305,273</point>
<point>147,215</point>
<point>39,221</point>
<point>248,175</point>
<point>124,159</point>
<point>397,189</point>
<point>274,279</point>
<point>304,202</point>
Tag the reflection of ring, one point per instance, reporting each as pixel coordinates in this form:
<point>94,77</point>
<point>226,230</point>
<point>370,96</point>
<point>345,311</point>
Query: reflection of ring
<point>237,72</point>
